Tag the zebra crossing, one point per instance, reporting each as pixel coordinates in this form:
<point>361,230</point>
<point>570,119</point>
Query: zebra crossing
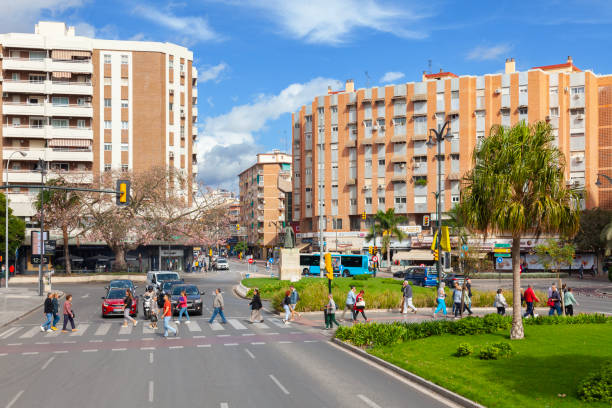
<point>106,329</point>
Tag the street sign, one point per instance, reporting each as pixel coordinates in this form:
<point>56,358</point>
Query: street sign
<point>503,246</point>
<point>50,246</point>
<point>503,255</point>
<point>251,260</point>
<point>374,258</point>
<point>502,250</point>
<point>464,247</point>
<point>500,259</point>
<point>37,261</point>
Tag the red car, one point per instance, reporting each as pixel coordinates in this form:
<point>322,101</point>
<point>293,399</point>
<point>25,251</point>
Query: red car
<point>112,303</point>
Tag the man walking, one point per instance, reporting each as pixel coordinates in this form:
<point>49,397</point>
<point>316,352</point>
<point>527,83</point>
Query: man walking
<point>56,318</point>
<point>350,302</point>
<point>48,310</point>
<point>167,316</point>
<point>294,297</point>
<point>530,298</point>
<point>407,294</point>
<point>218,307</point>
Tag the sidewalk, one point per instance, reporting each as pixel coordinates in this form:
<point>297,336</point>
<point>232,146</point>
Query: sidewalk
<point>17,302</point>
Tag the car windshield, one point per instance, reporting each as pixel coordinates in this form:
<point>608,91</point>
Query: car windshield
<point>190,290</point>
<point>167,285</point>
<point>120,284</point>
<point>116,294</point>
<point>167,276</point>
<point>221,260</point>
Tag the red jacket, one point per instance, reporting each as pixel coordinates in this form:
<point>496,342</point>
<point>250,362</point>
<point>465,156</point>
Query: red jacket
<point>530,296</point>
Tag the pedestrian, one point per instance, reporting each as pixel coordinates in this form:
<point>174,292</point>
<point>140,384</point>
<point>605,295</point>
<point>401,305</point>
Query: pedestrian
<point>167,314</point>
<point>127,308</point>
<point>256,307</point>
<point>564,288</point>
<point>350,302</point>
<point>457,299</point>
<point>359,307</point>
<point>218,307</point>
<point>530,299</point>
<point>68,314</point>
<point>581,270</point>
<point>500,302</point>
<point>569,300</point>
<point>441,302</point>
<point>407,295</point>
<point>554,301</point>
<point>287,306</point>
<point>48,311</point>
<point>330,313</point>
<point>155,308</point>
<point>467,302</point>
<point>56,318</point>
<point>295,297</point>
<point>182,304</point>
<point>550,289</point>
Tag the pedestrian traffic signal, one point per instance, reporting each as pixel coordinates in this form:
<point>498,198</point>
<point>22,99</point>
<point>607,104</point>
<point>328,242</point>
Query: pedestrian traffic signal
<point>363,215</point>
<point>328,266</point>
<point>426,220</point>
<point>123,192</point>
<point>435,254</point>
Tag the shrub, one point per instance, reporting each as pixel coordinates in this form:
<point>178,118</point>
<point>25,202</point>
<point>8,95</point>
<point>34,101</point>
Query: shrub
<point>464,349</point>
<point>495,351</point>
<point>597,386</point>
<point>469,325</point>
<point>361,277</point>
<point>494,322</point>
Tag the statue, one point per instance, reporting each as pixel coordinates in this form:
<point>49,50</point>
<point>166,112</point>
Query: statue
<point>289,238</point>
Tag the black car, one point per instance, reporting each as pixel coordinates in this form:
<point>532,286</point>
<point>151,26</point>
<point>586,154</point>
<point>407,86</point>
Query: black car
<point>194,298</point>
<point>415,275</point>
<point>166,286</point>
<point>450,279</point>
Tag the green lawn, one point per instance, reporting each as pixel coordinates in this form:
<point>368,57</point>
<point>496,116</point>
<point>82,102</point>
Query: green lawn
<point>551,360</point>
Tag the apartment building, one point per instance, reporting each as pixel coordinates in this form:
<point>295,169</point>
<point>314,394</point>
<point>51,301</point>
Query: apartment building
<point>87,106</point>
<point>359,151</point>
<point>265,201</point>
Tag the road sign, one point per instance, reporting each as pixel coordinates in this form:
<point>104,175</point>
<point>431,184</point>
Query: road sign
<point>502,250</point>
<point>500,259</point>
<point>464,247</point>
<point>374,258</point>
<point>503,255</point>
<point>50,246</point>
<point>36,260</point>
<point>251,260</point>
<point>503,246</point>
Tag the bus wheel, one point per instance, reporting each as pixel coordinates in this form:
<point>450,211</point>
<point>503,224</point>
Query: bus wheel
<point>345,274</point>
<point>305,271</point>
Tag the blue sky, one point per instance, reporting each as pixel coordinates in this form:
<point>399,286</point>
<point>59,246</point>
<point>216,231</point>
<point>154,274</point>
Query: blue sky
<point>259,60</point>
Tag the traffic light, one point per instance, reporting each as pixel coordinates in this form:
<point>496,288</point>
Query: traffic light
<point>426,220</point>
<point>237,227</point>
<point>328,266</point>
<point>370,250</point>
<point>375,250</point>
<point>363,215</point>
<point>123,192</point>
<point>435,254</point>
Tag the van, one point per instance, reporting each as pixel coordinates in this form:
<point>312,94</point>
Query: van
<point>157,278</point>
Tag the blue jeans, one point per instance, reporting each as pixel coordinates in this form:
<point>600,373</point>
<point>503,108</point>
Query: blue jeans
<point>441,306</point>
<point>56,319</point>
<point>183,310</point>
<point>557,308</point>
<point>529,311</point>
<point>217,311</point>
<point>287,312</point>
<point>167,326</point>
<point>47,324</point>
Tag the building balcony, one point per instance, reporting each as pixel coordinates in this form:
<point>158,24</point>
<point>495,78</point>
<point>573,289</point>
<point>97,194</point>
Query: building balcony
<point>76,176</point>
<point>398,139</point>
<point>420,137</point>
<point>48,64</point>
<point>23,176</point>
<point>25,109</point>
<point>350,143</point>
<point>398,178</point>
<point>194,92</point>
<point>351,182</point>
<point>64,154</point>
<point>368,141</point>
<point>35,87</point>
<point>399,159</point>
<point>24,131</point>
<point>194,111</point>
<point>48,87</point>
<point>84,110</point>
<point>47,132</point>
<point>419,97</point>
<point>454,176</point>
<point>22,204</point>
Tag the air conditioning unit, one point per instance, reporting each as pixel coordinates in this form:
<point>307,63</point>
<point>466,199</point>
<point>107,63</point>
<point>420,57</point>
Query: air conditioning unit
<point>417,166</point>
<point>497,91</point>
<point>579,159</point>
<point>366,187</point>
<point>171,91</point>
<point>182,113</point>
<point>547,118</point>
<point>171,155</point>
<point>577,96</point>
<point>381,186</point>
<point>402,165</point>
<point>375,127</point>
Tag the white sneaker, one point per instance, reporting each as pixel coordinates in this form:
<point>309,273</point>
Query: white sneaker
<point>42,329</point>
<point>48,330</point>
<point>187,321</point>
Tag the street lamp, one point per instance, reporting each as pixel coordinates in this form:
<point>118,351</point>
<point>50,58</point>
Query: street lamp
<point>436,138</point>
<point>42,167</point>
<point>6,217</point>
<point>598,182</point>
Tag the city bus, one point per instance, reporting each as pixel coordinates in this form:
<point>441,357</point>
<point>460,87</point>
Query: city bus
<point>344,265</point>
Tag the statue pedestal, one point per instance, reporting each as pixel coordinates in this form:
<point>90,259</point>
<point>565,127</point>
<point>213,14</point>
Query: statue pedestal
<point>290,264</point>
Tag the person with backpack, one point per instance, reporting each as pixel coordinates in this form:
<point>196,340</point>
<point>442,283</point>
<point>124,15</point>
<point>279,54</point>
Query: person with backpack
<point>360,305</point>
<point>56,318</point>
<point>530,300</point>
<point>294,298</point>
<point>127,308</point>
<point>500,302</point>
<point>68,314</point>
<point>182,304</point>
<point>569,300</point>
<point>48,311</point>
<point>256,307</point>
<point>407,298</point>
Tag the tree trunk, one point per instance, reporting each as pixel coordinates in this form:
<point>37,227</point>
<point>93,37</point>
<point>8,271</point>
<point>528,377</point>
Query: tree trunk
<point>389,255</point>
<point>561,293</point>
<point>599,263</point>
<point>517,331</point>
<point>66,251</point>
<point>120,265</point>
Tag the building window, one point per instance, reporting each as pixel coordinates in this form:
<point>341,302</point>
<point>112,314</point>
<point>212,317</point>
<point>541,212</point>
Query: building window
<point>554,112</point>
<point>124,59</point>
<point>420,159</point>
<point>522,111</point>
<point>124,167</point>
<point>81,123</point>
<point>455,198</point>
<point>108,146</point>
<point>108,81</point>
<point>125,82</point>
<point>368,163</point>
<point>125,125</point>
<point>334,203</point>
<point>368,200</point>
<point>182,67</point>
<point>107,102</point>
<point>107,58</point>
<point>170,106</point>
<point>381,162</point>
<point>320,111</point>
<point>170,64</point>
<point>108,124</point>
<point>125,147</point>
<point>107,167</point>
<point>400,200</point>
<point>578,90</point>
<point>353,201</point>
<point>337,223</point>
<point>124,103</point>
<point>334,109</point>
<point>381,200</point>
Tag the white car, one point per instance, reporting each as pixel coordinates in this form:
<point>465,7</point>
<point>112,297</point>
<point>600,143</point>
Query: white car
<point>157,278</point>
<point>221,263</point>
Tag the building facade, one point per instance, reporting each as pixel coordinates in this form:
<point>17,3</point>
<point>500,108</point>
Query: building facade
<point>359,151</point>
<point>265,197</point>
<point>87,106</point>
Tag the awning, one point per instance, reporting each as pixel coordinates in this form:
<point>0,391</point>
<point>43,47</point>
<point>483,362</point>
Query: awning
<point>69,143</point>
<point>61,75</point>
<point>413,255</point>
<point>68,54</point>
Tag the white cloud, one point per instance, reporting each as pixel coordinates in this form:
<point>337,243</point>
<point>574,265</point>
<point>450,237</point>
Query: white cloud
<point>194,28</point>
<point>227,144</point>
<point>85,30</point>
<point>493,52</point>
<point>391,76</point>
<point>21,15</point>
<point>210,102</point>
<point>212,73</point>
<point>332,22</point>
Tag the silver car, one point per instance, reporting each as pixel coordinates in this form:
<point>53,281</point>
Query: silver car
<point>221,263</point>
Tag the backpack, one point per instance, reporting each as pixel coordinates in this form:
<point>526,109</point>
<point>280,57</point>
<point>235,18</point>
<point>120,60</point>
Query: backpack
<point>160,302</point>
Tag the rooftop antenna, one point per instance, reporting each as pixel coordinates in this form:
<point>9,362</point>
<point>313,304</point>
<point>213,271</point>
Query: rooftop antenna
<point>429,64</point>
<point>367,79</point>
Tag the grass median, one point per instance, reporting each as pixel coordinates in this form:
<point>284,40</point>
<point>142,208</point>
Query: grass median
<point>380,293</point>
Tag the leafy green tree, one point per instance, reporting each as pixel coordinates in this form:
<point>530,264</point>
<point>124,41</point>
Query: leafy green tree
<point>553,255</point>
<point>241,246</point>
<point>386,225</point>
<point>517,187</point>
<point>16,229</point>
<point>590,237</point>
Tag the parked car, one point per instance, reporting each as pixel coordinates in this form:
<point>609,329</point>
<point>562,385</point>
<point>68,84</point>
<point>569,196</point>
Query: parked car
<point>419,275</point>
<point>450,279</point>
<point>221,263</point>
<point>194,298</point>
<point>122,284</point>
<point>156,278</point>
<point>112,303</point>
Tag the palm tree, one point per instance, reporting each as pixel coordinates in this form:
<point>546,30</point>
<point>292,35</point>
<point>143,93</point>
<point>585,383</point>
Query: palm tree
<point>516,187</point>
<point>386,225</point>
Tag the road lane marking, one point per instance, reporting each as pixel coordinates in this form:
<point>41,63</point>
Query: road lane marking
<point>122,339</point>
<point>85,296</point>
<point>3,354</point>
<point>193,326</point>
<point>126,329</point>
<point>11,331</point>
<point>260,325</point>
<point>295,332</point>
<point>61,352</point>
<point>203,345</point>
<point>216,326</point>
<point>90,350</point>
<point>42,342</point>
<point>199,337</point>
<point>80,331</point>
<point>310,341</point>
<point>14,400</point>
<point>147,338</point>
<point>118,349</point>
<point>30,333</point>
<point>175,347</point>
<point>271,334</point>
<point>14,344</point>
<point>29,353</point>
<point>150,358</point>
<point>258,342</point>
<point>69,342</point>
<point>248,334</point>
<point>223,335</point>
<point>283,389</point>
<point>249,353</point>
<point>224,405</point>
<point>230,344</point>
<point>368,401</point>
<point>150,391</point>
<point>47,363</point>
<point>236,324</point>
<point>148,330</point>
<point>95,341</point>
<point>277,322</point>
<point>284,342</point>
<point>147,348</point>
<point>102,329</point>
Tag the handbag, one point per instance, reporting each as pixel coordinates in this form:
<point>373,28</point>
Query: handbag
<point>153,318</point>
<point>550,303</point>
<point>73,314</point>
<point>361,303</point>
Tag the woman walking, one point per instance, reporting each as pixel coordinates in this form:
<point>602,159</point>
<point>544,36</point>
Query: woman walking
<point>359,306</point>
<point>56,318</point>
<point>441,303</point>
<point>48,311</point>
<point>457,299</point>
<point>182,304</point>
<point>256,307</point>
<point>68,314</point>
<point>500,302</point>
<point>127,308</point>
<point>287,306</point>
<point>554,301</point>
<point>330,315</point>
<point>569,300</point>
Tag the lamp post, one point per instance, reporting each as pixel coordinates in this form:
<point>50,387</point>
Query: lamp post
<point>6,218</point>
<point>436,138</point>
<point>41,166</point>
<point>598,182</point>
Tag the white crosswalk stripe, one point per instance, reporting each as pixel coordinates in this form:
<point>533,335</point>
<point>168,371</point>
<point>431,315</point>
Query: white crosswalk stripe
<point>147,330</point>
<point>102,329</point>
<point>11,331</point>
<point>80,330</point>
<point>216,326</point>
<point>236,324</point>
<point>277,322</point>
<point>126,329</point>
<point>30,333</point>
<point>193,326</point>
<point>261,325</point>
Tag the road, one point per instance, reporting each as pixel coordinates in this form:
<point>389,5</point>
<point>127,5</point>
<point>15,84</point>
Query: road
<point>226,366</point>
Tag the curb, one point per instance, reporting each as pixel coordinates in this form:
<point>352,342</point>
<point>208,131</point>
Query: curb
<point>27,313</point>
<point>450,395</point>
<point>80,279</point>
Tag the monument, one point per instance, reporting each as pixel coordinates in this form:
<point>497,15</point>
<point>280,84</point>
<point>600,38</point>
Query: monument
<point>289,262</point>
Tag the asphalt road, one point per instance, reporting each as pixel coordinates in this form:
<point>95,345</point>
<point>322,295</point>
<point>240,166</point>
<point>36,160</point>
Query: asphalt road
<point>226,366</point>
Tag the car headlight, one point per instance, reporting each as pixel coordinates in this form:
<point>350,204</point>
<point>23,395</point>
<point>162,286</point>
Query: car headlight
<point>198,301</point>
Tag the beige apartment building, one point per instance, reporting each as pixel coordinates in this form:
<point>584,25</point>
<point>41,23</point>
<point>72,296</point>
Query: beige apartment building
<point>265,201</point>
<point>359,151</point>
<point>87,106</point>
